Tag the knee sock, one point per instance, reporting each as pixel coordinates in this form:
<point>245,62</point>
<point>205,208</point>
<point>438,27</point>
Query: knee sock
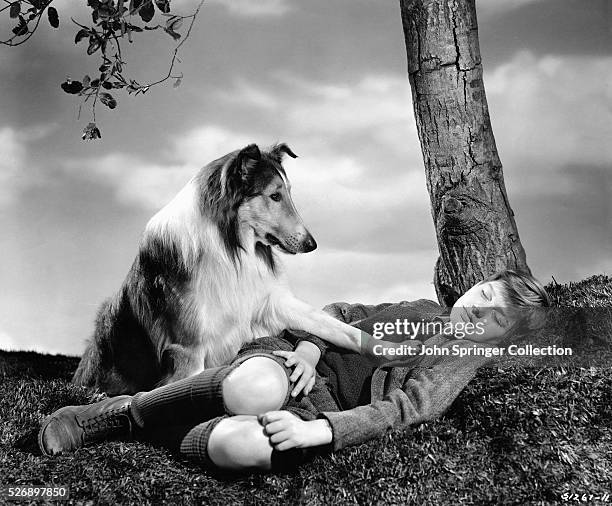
<point>189,400</point>
<point>194,444</point>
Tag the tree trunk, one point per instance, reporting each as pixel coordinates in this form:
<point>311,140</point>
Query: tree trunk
<point>474,223</point>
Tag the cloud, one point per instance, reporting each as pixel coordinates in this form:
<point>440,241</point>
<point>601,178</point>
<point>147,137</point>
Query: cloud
<point>259,8</point>
<point>245,94</point>
<point>205,143</point>
<point>549,113</point>
<point>571,237</point>
<point>497,7</point>
<point>7,342</point>
<point>357,141</point>
<point>151,184</point>
<point>12,165</point>
<point>371,101</point>
<point>378,106</point>
<point>327,276</point>
<point>17,171</point>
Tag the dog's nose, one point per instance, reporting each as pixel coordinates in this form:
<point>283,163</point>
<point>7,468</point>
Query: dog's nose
<point>309,244</point>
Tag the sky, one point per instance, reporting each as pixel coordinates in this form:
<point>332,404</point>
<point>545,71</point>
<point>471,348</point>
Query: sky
<point>329,78</point>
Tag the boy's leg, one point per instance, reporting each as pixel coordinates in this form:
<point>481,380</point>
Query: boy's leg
<point>253,385</point>
<point>238,443</point>
<point>231,443</point>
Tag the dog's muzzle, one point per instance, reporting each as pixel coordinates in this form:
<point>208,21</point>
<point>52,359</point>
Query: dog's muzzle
<point>293,244</point>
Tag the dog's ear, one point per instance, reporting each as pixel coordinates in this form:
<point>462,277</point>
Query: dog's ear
<point>279,150</point>
<point>247,159</point>
<point>239,167</point>
<point>236,169</point>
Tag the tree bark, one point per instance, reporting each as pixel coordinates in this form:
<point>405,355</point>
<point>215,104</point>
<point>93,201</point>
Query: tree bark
<point>474,223</point>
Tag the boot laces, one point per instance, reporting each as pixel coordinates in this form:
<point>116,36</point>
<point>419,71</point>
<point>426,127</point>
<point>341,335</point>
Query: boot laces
<point>105,424</point>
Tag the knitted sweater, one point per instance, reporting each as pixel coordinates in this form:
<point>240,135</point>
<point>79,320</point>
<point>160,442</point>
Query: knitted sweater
<point>399,396</point>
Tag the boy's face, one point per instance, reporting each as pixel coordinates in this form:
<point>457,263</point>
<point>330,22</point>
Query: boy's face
<point>483,305</point>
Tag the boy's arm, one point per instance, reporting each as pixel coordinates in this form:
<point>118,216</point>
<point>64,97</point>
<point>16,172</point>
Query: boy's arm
<point>426,394</point>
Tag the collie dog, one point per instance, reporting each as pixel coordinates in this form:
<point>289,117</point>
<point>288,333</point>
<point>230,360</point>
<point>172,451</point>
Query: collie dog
<point>208,278</point>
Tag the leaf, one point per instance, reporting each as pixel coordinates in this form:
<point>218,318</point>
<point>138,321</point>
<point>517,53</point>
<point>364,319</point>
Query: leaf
<point>53,17</point>
<point>108,100</point>
<point>134,6</point>
<point>72,87</point>
<point>81,34</point>
<point>15,9</point>
<point>174,23</point>
<point>163,5</point>
<point>94,45</point>
<point>146,11</point>
<point>91,132</point>
<point>21,28</point>
<point>106,11</point>
<point>86,81</point>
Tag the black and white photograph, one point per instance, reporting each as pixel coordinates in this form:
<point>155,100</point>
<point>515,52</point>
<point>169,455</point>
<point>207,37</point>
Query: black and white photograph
<point>288,252</point>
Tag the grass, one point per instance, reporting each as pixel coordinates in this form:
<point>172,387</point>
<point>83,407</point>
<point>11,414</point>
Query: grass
<point>518,434</point>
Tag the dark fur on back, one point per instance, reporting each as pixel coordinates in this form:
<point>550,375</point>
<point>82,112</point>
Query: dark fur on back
<point>124,324</point>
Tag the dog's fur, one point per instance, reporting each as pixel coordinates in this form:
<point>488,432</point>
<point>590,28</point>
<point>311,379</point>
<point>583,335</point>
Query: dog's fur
<point>207,278</point>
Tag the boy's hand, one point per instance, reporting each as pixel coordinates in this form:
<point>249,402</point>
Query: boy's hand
<point>304,369</point>
<point>287,431</point>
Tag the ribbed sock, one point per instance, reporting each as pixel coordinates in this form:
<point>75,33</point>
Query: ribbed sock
<point>194,444</point>
<point>189,400</point>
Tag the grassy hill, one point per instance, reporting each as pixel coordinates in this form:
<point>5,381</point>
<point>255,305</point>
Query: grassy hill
<point>516,435</point>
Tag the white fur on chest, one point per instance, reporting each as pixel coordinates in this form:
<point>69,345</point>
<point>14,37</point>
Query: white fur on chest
<point>233,304</point>
<point>226,303</point>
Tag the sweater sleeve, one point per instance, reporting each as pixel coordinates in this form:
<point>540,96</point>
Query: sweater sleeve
<point>317,341</point>
<point>295,337</point>
<point>426,394</point>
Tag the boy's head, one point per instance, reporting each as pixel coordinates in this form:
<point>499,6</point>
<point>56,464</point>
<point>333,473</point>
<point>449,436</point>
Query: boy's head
<point>498,303</point>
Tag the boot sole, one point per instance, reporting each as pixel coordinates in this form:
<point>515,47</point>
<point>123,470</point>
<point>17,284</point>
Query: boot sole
<point>43,426</point>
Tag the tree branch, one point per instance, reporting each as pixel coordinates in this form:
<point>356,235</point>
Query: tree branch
<point>112,21</point>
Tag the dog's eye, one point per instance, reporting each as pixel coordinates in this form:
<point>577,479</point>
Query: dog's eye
<point>276,197</point>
